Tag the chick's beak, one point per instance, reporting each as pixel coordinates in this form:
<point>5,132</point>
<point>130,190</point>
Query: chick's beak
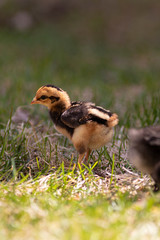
<point>34,101</point>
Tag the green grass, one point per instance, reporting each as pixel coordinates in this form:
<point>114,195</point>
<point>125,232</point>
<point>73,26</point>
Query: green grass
<point>41,195</point>
<point>38,209</point>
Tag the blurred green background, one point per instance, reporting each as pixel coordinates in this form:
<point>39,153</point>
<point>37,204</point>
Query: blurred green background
<point>103,51</point>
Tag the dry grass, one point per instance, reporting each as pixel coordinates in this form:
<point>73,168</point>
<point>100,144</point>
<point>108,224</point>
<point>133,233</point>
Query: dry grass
<point>83,186</point>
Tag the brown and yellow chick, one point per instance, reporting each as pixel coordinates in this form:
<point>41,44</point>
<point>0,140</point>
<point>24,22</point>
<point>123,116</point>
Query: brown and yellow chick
<point>86,125</point>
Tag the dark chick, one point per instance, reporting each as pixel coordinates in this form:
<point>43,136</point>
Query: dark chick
<point>144,151</point>
<point>86,125</point>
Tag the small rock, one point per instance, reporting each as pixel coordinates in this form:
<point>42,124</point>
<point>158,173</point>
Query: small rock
<point>22,21</point>
<point>23,115</point>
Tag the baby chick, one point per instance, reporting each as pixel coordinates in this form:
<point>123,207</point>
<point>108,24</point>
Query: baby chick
<point>144,151</point>
<point>86,125</point>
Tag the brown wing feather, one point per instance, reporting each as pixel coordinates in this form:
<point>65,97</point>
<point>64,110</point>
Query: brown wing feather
<point>81,112</point>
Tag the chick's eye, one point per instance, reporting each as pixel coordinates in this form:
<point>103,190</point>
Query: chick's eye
<point>43,97</point>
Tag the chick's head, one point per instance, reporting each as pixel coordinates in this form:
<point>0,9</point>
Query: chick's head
<point>51,96</point>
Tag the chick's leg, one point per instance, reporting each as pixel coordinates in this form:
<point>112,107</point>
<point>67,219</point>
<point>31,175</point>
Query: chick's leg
<point>80,158</point>
<point>81,148</point>
<point>87,154</point>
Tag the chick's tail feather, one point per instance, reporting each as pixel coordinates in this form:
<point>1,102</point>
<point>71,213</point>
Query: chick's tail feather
<point>113,120</point>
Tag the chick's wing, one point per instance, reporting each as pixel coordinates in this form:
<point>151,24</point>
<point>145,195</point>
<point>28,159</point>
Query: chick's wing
<point>76,115</point>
